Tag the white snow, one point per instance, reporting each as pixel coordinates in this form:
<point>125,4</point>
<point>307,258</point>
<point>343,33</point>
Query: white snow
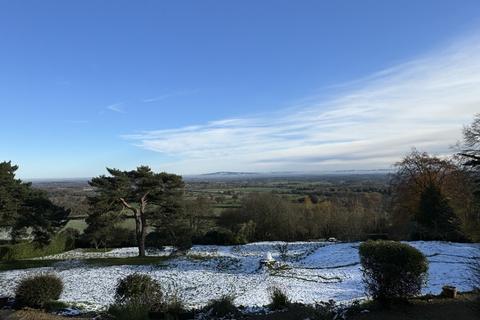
<point>110,253</point>
<point>317,271</point>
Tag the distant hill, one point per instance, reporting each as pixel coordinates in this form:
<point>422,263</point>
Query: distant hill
<point>75,182</point>
<point>245,175</point>
<point>229,173</point>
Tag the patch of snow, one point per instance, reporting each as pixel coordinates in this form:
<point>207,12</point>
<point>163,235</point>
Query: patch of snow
<point>113,253</point>
<point>313,272</point>
<point>69,312</point>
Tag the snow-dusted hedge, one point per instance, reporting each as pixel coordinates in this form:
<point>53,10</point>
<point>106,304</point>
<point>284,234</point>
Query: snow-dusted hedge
<point>139,287</point>
<point>392,270</point>
<point>38,290</point>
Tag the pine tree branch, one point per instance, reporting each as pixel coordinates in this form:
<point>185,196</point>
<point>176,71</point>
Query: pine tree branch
<point>128,206</point>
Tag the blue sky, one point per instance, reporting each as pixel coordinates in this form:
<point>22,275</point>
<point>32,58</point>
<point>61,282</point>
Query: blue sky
<point>202,86</point>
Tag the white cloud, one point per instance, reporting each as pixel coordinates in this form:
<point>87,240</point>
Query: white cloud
<point>371,124</point>
<point>116,107</point>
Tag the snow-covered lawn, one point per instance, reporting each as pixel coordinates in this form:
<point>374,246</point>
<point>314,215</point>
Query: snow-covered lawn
<point>317,271</point>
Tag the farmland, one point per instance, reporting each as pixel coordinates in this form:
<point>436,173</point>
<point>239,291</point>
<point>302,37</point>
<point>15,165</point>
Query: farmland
<point>227,192</point>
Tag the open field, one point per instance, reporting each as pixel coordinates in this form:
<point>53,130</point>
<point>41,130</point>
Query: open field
<point>79,224</point>
<point>310,272</point>
<point>226,192</point>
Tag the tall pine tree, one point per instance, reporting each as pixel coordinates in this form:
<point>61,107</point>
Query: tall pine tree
<point>146,195</point>
<point>435,217</point>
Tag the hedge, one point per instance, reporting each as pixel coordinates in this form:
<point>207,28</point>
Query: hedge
<point>392,270</point>
<point>24,250</point>
<point>139,287</point>
<point>38,290</point>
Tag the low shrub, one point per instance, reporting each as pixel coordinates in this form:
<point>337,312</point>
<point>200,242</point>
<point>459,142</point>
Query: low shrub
<point>326,311</point>
<point>55,305</point>
<point>136,296</point>
<point>122,237</point>
<point>222,306</point>
<point>182,241</point>
<point>392,270</point>
<point>131,310</point>
<point>282,249</point>
<point>139,288</point>
<point>219,236</point>
<point>278,299</point>
<point>319,311</point>
<point>155,240</point>
<point>179,236</point>
<point>116,237</point>
<point>36,291</point>
<point>173,307</point>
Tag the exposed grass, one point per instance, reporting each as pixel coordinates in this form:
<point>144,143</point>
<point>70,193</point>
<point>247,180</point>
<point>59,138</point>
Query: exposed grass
<point>78,224</point>
<point>26,250</point>
<point>106,262</point>
<point>94,262</point>
<point>28,315</point>
<point>31,314</point>
<point>200,257</point>
<point>26,264</point>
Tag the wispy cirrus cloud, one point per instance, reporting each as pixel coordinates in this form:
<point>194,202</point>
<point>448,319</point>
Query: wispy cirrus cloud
<point>172,94</point>
<point>370,124</point>
<point>116,107</point>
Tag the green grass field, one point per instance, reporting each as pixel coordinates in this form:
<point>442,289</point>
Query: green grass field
<point>80,224</point>
<point>96,262</point>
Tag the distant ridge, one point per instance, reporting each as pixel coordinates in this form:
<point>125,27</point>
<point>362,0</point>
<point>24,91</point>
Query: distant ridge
<point>229,173</point>
<point>289,173</point>
<point>234,175</point>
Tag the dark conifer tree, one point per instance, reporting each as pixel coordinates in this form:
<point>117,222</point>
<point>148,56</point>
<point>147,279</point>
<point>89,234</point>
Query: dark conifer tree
<point>146,195</point>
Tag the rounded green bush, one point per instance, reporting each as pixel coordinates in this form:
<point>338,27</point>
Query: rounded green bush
<point>222,306</point>
<point>392,270</point>
<point>138,287</point>
<point>36,291</point>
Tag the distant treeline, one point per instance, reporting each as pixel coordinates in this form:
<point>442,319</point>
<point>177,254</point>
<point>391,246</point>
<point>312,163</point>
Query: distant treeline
<point>427,197</point>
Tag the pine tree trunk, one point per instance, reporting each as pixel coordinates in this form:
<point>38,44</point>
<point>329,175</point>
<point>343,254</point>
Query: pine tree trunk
<point>138,234</point>
<point>140,223</point>
<point>141,244</point>
<point>141,247</point>
<point>142,234</point>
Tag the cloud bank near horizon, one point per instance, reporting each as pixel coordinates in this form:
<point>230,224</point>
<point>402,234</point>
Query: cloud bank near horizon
<point>370,124</point>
